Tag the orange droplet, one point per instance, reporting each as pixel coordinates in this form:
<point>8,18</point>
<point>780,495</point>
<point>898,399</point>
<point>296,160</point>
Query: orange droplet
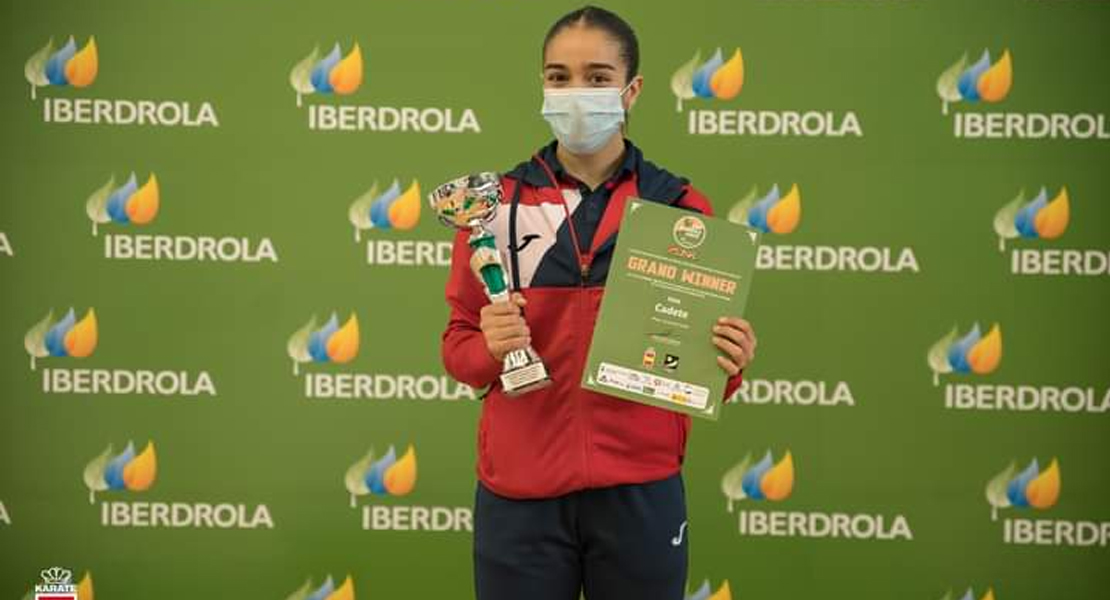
<point>346,591</point>
<point>343,344</point>
<point>1044,491</point>
<point>400,478</point>
<point>346,76</point>
<point>1052,220</point>
<point>139,474</point>
<point>405,212</point>
<point>85,587</point>
<point>985,355</point>
<point>786,213</point>
<point>727,82</point>
<point>143,205</point>
<point>995,82</point>
<point>778,483</point>
<point>81,69</point>
<point>81,340</point>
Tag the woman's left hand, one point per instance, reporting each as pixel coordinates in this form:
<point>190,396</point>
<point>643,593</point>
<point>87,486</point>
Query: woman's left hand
<point>736,338</point>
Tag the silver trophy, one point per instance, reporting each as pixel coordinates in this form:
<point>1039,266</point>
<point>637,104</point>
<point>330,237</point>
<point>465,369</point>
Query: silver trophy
<point>468,203</point>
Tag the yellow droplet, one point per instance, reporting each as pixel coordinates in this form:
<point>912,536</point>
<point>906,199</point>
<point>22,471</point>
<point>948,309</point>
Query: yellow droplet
<point>139,474</point>
<point>1044,491</point>
<point>400,478</point>
<point>727,82</point>
<point>723,593</point>
<point>346,591</point>
<point>81,340</point>
<point>405,212</point>
<point>85,587</point>
<point>346,76</point>
<point>1052,220</point>
<point>786,213</point>
<point>989,595</point>
<point>343,344</point>
<point>985,355</point>
<point>778,483</point>
<point>81,69</point>
<point>995,82</point>
<point>142,206</point>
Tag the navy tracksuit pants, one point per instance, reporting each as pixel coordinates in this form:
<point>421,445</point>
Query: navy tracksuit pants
<point>615,543</point>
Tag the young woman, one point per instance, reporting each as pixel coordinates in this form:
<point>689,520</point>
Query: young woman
<point>578,491</point>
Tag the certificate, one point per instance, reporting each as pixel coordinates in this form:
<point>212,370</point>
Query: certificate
<point>674,273</point>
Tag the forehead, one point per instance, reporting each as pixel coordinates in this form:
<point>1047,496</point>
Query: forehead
<point>577,46</point>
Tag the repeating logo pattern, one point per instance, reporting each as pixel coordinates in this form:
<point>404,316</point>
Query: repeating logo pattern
<point>971,353</point>
<point>65,66</point>
<point>715,78</point>
<point>124,471</point>
<point>764,480</point>
<point>65,337</point>
<point>384,476</point>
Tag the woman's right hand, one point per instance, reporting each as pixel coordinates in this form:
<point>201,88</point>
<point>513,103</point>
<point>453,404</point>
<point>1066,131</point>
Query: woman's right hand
<point>504,328</point>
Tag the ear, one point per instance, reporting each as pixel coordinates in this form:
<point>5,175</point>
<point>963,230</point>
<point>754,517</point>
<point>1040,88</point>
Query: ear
<point>633,92</point>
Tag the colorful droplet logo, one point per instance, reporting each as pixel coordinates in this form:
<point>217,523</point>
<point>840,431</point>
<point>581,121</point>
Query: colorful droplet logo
<point>1039,218</point>
<point>770,213</point>
<point>389,209</point>
<point>332,74</point>
<point>765,480</point>
<point>326,590</point>
<point>705,592</point>
<point>970,595</point>
<point>66,337</point>
<point>123,471</point>
<point>970,353</point>
<point>127,204</point>
<point>715,78</point>
<point>323,344</point>
<point>1028,488</point>
<point>65,66</point>
<point>982,81</point>
<point>382,476</point>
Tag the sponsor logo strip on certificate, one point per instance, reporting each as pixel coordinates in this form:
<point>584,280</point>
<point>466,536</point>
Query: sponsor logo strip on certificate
<point>652,385</point>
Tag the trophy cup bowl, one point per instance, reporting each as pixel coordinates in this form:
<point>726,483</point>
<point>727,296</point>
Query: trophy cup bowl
<point>467,203</point>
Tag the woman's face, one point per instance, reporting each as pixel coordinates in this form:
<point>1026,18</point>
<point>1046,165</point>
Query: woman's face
<point>582,56</point>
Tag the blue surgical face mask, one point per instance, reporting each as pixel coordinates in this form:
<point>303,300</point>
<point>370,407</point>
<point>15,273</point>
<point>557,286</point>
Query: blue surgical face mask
<point>584,119</point>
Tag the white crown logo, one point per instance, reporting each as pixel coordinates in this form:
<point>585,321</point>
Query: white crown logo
<point>56,576</point>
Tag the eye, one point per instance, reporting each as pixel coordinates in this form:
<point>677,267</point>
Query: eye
<point>601,79</point>
<point>555,77</point>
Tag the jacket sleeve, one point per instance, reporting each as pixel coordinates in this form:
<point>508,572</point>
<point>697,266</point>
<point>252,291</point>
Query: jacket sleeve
<point>464,351</point>
<point>695,200</point>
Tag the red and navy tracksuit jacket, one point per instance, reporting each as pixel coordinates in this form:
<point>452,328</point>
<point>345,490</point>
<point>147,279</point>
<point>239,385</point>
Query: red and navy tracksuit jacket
<point>561,438</point>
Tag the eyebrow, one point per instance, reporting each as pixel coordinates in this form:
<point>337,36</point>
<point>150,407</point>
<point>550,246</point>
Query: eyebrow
<point>593,65</point>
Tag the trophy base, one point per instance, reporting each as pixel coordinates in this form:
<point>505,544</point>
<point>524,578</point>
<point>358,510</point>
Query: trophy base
<point>525,379</point>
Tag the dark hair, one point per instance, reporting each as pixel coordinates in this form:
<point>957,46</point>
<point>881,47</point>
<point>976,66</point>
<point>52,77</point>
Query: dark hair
<point>609,22</point>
